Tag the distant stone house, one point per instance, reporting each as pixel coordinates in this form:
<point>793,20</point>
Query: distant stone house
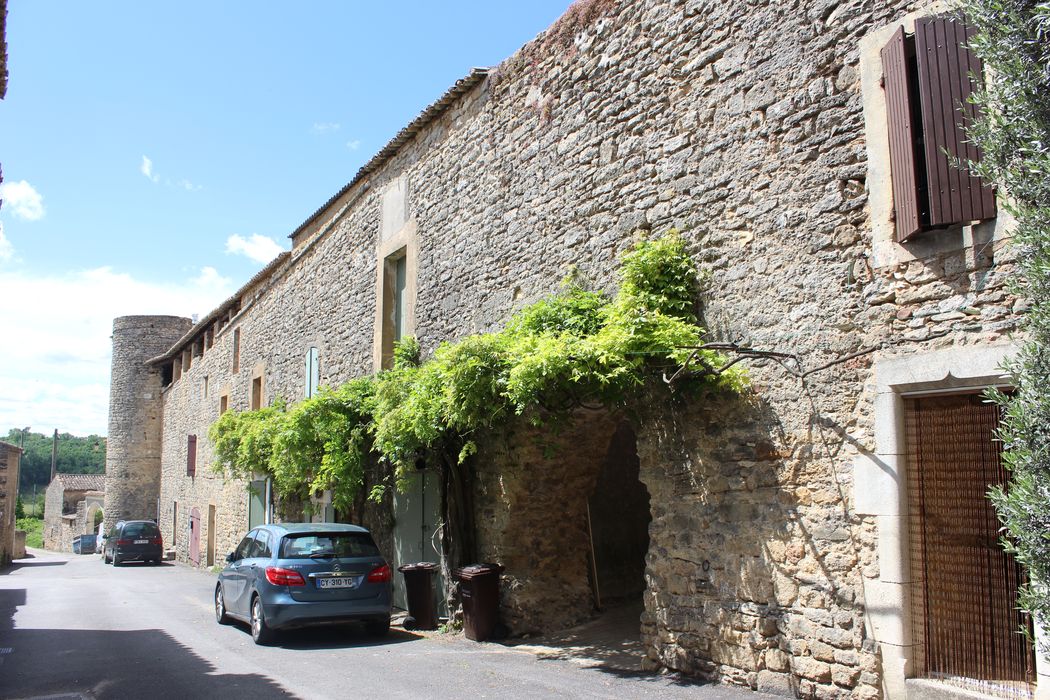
<point>70,504</point>
<point>826,536</point>
<point>10,459</point>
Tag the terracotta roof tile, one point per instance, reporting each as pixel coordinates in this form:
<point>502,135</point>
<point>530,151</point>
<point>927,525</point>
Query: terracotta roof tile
<point>82,482</point>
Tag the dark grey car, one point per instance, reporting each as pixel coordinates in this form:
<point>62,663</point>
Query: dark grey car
<point>298,574</point>
<point>133,540</point>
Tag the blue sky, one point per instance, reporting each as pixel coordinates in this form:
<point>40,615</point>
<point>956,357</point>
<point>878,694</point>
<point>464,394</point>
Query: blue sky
<point>155,155</point>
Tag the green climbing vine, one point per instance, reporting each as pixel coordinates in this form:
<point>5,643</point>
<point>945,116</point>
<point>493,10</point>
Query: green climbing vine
<point>573,348</point>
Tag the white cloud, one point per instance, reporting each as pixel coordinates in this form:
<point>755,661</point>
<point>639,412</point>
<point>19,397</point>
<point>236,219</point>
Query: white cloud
<point>325,127</point>
<point>23,199</point>
<point>258,248</point>
<point>7,251</point>
<point>209,280</point>
<point>57,374</point>
<point>147,169</point>
<point>188,186</point>
<point>354,145</point>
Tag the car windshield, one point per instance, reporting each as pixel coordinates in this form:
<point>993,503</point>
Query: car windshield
<point>141,530</point>
<point>328,544</point>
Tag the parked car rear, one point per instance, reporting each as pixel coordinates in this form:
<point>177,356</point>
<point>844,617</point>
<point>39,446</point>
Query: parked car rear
<point>133,540</point>
<point>298,574</point>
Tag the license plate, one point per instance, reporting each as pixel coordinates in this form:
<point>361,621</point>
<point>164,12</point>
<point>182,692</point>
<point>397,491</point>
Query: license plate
<point>141,541</point>
<point>335,582</point>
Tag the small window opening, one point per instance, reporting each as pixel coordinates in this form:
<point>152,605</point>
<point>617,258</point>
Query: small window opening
<point>395,304</point>
<point>313,371</point>
<point>257,389</point>
<point>236,350</point>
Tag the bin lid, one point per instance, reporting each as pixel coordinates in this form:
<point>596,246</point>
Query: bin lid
<point>420,566</point>
<point>473,571</point>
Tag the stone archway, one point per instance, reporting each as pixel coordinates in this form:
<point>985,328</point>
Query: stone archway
<point>550,509</point>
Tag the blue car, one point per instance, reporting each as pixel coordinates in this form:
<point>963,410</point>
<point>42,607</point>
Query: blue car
<point>299,574</point>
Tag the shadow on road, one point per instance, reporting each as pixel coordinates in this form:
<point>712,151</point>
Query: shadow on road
<point>609,644</point>
<point>10,600</point>
<point>26,564</point>
<point>335,637</point>
<point>105,664</point>
<point>124,664</point>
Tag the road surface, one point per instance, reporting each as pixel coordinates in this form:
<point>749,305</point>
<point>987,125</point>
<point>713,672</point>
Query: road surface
<point>73,627</point>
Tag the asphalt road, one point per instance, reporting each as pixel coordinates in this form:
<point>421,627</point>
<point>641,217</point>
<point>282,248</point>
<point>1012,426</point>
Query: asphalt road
<point>73,627</point>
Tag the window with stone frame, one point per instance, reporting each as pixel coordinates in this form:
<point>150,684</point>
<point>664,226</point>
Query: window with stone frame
<point>395,301</point>
<point>928,77</point>
<point>257,393</point>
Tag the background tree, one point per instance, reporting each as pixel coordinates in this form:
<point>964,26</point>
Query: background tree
<point>1013,130</point>
<point>76,455</point>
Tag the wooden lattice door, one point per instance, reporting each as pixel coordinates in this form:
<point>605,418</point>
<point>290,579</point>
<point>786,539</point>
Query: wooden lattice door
<point>965,596</point>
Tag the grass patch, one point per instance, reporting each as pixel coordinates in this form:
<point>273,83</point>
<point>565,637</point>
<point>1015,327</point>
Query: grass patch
<point>34,528</point>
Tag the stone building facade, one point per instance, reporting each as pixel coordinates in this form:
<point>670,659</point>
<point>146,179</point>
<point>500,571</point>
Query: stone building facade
<point>771,535</point>
<point>70,504</point>
<point>10,460</point>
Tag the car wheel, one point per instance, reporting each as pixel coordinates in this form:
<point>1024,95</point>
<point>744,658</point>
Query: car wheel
<point>116,559</point>
<point>220,607</point>
<point>261,632</point>
<point>378,628</point>
<point>105,558</point>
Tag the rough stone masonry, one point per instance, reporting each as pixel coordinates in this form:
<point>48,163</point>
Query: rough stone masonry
<point>740,124</point>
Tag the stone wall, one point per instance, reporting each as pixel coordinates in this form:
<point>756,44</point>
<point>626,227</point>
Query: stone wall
<point>10,459</point>
<point>67,514</point>
<point>743,127</point>
<point>54,509</point>
<point>135,419</point>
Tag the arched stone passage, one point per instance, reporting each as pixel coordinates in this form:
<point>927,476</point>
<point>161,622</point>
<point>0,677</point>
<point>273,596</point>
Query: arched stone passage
<point>619,523</point>
<point>544,495</point>
<point>94,511</point>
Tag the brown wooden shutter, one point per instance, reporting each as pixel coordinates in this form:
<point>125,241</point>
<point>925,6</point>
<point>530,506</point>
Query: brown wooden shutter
<point>901,116</point>
<point>945,64</point>
<point>191,455</point>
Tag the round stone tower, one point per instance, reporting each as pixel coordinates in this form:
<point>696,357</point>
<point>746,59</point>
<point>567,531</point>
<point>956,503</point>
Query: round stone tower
<point>136,415</point>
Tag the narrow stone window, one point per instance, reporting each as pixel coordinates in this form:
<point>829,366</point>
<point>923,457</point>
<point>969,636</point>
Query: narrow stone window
<point>395,311</point>
<point>236,350</point>
<point>257,390</point>
<point>313,371</point>
<point>204,387</point>
<point>224,403</point>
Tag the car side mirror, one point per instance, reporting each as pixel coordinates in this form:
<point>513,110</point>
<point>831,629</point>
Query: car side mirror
<point>230,558</point>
